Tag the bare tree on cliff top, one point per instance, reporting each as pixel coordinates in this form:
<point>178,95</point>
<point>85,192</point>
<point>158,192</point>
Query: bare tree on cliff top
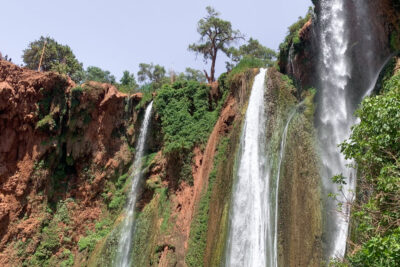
<point>216,34</point>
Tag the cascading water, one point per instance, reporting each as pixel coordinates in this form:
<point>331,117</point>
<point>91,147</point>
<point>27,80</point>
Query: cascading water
<point>123,258</point>
<point>335,119</point>
<point>250,240</point>
<point>346,77</point>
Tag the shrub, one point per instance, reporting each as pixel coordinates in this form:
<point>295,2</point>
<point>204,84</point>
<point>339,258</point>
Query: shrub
<point>46,124</point>
<point>186,115</point>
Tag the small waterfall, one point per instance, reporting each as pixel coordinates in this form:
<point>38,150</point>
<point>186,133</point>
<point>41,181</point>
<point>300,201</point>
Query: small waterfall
<point>250,237</point>
<point>335,120</point>
<point>278,176</point>
<point>123,258</point>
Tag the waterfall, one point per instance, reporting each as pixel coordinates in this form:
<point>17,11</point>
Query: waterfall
<point>278,176</point>
<point>335,120</point>
<point>123,258</point>
<point>250,237</point>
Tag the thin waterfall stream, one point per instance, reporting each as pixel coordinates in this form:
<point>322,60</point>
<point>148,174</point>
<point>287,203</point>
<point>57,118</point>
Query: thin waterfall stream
<point>123,258</point>
<point>278,175</point>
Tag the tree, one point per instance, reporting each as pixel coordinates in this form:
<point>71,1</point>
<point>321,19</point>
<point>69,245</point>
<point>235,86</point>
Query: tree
<point>252,49</point>
<point>127,83</point>
<point>98,75</point>
<point>192,75</point>
<point>151,73</point>
<point>128,79</point>
<point>56,57</point>
<point>215,35</point>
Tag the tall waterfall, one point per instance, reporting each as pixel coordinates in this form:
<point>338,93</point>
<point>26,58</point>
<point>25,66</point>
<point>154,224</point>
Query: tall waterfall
<point>335,119</point>
<point>123,258</point>
<point>250,240</point>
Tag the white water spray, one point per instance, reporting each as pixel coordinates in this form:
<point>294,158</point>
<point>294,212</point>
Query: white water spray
<point>250,240</point>
<point>123,258</point>
<point>336,119</point>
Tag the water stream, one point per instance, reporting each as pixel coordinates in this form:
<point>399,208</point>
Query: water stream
<point>250,237</point>
<point>123,258</point>
<point>335,120</point>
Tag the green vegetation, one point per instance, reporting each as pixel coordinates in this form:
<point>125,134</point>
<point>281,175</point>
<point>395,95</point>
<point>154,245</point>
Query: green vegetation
<point>245,64</point>
<point>146,232</point>
<point>88,242</point>
<point>98,75</point>
<point>293,38</point>
<point>50,240</point>
<point>68,258</point>
<point>127,83</point>
<point>395,41</point>
<point>187,116</point>
<point>215,35</point>
<point>153,75</point>
<point>199,226</point>
<point>192,75</point>
<point>375,146</point>
<point>116,190</point>
<point>57,57</point>
<point>46,124</point>
<point>252,50</point>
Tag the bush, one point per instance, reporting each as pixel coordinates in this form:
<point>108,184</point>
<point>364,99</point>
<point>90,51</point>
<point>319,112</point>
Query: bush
<point>46,124</point>
<point>375,147</point>
<point>379,252</point>
<point>186,115</point>
<point>245,64</point>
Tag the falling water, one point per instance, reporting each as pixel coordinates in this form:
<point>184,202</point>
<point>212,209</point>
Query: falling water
<point>250,240</point>
<point>278,176</point>
<point>335,119</point>
<point>123,258</point>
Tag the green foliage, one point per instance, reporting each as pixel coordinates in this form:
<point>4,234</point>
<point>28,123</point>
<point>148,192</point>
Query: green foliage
<point>48,245</point>
<point>215,35</point>
<point>293,37</point>
<point>186,115</point>
<point>192,75</point>
<point>375,146</point>
<point>68,258</point>
<point>88,242</point>
<point>127,83</point>
<point>374,143</point>
<point>46,124</point>
<point>164,209</point>
<point>379,252</point>
<point>395,41</point>
<point>98,75</point>
<point>147,97</point>
<point>245,64</point>
<point>253,49</point>
<point>117,201</point>
<point>57,57</point>
<point>152,74</point>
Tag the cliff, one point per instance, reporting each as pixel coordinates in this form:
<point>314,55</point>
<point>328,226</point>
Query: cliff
<point>59,145</point>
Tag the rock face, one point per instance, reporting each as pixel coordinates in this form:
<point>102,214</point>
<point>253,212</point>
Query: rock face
<point>57,141</point>
<point>374,33</point>
<point>302,65</point>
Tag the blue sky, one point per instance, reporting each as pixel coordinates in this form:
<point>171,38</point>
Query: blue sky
<point>118,35</point>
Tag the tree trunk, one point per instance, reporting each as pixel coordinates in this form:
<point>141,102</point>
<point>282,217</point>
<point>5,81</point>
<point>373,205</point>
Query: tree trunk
<point>207,77</point>
<point>212,73</point>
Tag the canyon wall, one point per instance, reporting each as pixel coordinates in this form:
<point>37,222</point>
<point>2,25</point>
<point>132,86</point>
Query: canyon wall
<point>59,145</point>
